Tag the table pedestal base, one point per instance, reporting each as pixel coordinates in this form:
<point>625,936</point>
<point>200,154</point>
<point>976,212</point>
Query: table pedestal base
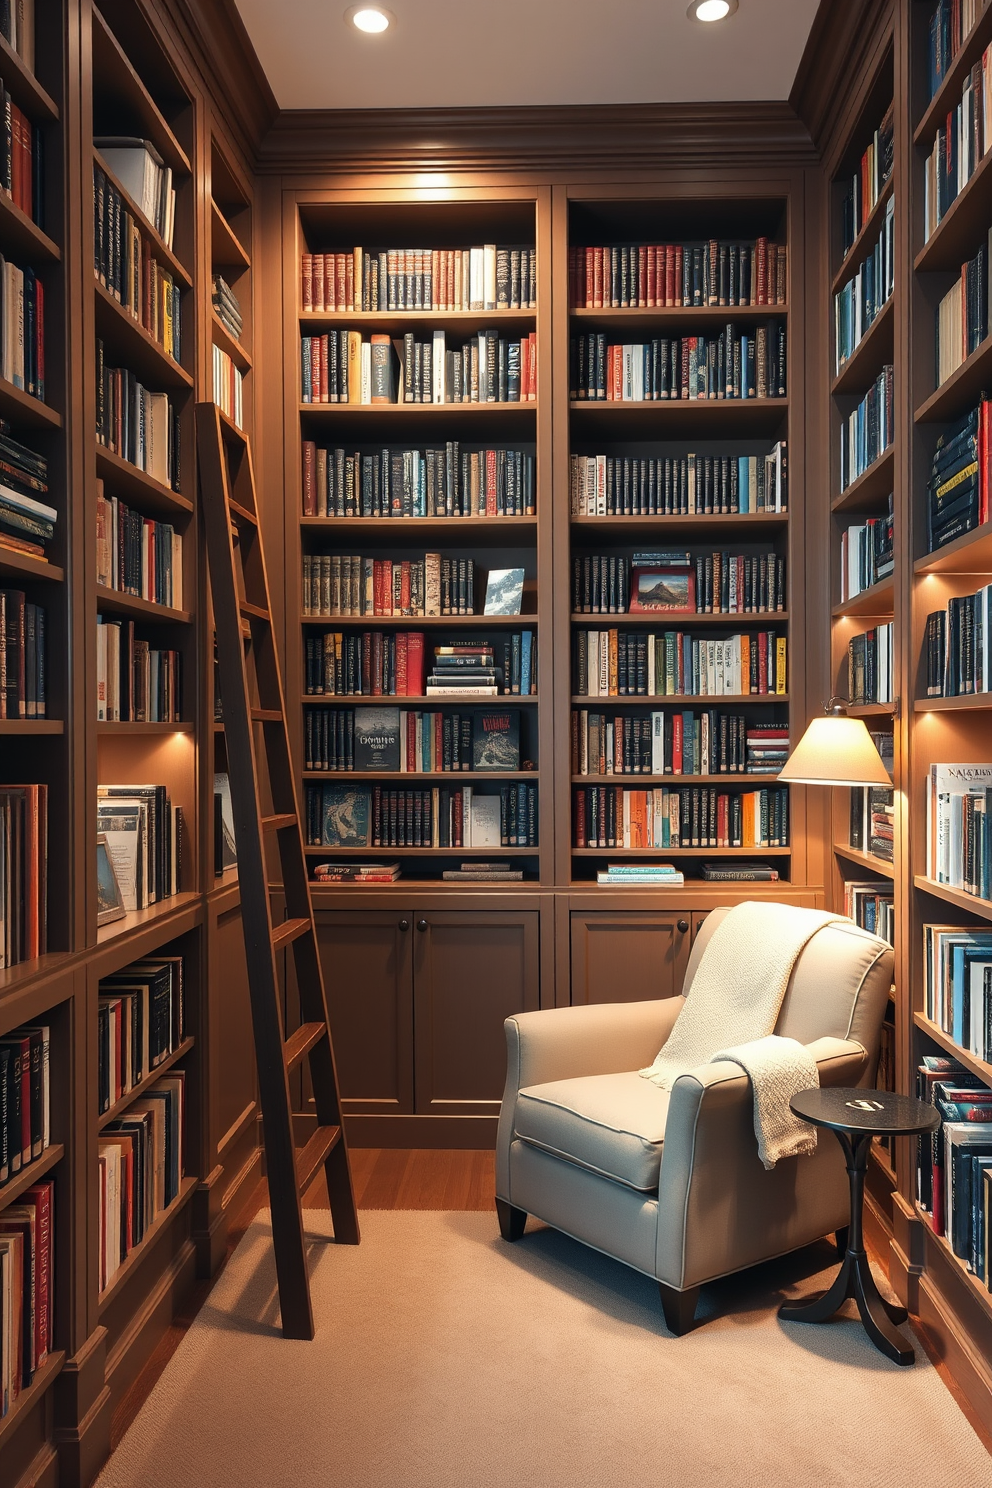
<point>854,1279</point>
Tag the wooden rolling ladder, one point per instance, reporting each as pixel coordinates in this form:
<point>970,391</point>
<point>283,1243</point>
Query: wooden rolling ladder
<point>251,689</point>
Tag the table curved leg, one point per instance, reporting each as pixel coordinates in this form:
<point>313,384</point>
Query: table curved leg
<point>818,1309</point>
<point>878,1319</point>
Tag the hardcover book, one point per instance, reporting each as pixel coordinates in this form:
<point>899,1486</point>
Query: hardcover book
<point>377,738</point>
<point>504,591</point>
<point>346,817</point>
<point>496,741</point>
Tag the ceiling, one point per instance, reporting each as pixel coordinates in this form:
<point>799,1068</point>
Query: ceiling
<point>452,53</point>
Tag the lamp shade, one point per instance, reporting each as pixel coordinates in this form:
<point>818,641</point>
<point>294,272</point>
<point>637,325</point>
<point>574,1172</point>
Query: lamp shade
<point>835,750</point>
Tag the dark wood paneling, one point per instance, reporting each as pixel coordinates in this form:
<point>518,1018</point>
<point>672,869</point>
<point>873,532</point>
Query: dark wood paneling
<point>628,955</point>
<point>367,961</point>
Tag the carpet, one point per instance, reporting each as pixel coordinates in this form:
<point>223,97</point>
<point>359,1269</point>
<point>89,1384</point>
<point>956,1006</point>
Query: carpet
<point>445,1358</point>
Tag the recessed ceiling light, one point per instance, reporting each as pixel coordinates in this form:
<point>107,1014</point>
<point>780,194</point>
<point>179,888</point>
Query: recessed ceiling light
<point>370,18</point>
<point>711,10</point>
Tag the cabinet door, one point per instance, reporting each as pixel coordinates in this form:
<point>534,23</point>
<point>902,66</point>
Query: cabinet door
<point>628,955</point>
<point>368,974</point>
<point>471,972</point>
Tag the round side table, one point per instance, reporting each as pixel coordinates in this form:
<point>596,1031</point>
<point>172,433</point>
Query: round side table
<point>855,1116</point>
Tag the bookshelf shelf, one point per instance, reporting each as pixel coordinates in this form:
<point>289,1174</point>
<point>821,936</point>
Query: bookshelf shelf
<point>122,90</point>
<point>716,418</point>
<point>409,320</point>
<point>876,600</point>
<point>423,852</point>
<point>157,916</point>
<point>137,1091</point>
<point>961,390</point>
<point>871,710</point>
<point>968,902</point>
<point>871,486</point>
<point>21,408</point>
<point>126,340</point>
<point>865,238</point>
<point>222,337</point>
<point>138,487</point>
<point>127,728</point>
<point>948,95</point>
<point>26,566</point>
<point>682,852</point>
<point>24,237</point>
<point>750,620</point>
<point>42,1382</point>
<point>396,415</point>
<point>864,860</point>
<point>459,777</point>
<point>870,355</point>
<point>30,1174</point>
<point>115,602</point>
<point>23,87</point>
<point>31,726</point>
<point>736,524</point>
<point>970,1061</point>
<point>127,1268</point>
<point>962,224</point>
<point>674,317</point>
<point>969,554</point>
<point>629,779</point>
<point>417,622</point>
<point>405,700</point>
<point>226,249</point>
<point>163,252</point>
<point>676,699</point>
<point>486,530</point>
<point>968,702</point>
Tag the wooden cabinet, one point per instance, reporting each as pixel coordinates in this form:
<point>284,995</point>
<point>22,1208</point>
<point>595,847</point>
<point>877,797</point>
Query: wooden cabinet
<point>628,955</point>
<point>417,1000</point>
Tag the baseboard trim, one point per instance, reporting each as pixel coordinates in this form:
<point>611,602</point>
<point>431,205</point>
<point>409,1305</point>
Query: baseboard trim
<point>43,1471</point>
<point>948,1343</point>
<point>133,1348</point>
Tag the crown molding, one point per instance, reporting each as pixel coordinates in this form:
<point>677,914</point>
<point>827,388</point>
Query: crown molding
<point>846,43</point>
<point>222,51</point>
<point>601,137</point>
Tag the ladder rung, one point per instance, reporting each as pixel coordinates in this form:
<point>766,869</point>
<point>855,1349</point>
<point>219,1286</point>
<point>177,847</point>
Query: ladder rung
<point>266,715</point>
<point>299,1044</point>
<point>242,512</point>
<point>287,932</point>
<point>253,610</point>
<point>279,822</point>
<point>311,1158</point>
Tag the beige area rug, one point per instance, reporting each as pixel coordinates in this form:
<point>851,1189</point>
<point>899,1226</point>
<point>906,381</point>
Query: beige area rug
<point>445,1358</point>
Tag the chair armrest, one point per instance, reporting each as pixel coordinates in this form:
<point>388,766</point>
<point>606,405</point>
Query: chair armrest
<point>603,1038</point>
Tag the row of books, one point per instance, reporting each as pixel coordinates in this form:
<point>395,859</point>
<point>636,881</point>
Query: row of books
<point>381,664</point>
<point>344,367</point>
<point>226,306</point>
<point>341,584</point>
<point>23,873</point>
<point>871,675</point>
<point>871,905</point>
<point>957,986</point>
<point>137,555</point>
<point>683,743</point>
<point>139,425</point>
<point>228,386</point>
<point>954,1165</point>
<point>410,741</point>
<point>144,834</point>
<point>961,141</point>
<point>448,482</point>
<point>950,23</point>
<point>126,266</point>
<point>487,277</point>
<point>872,821</point>
<point>616,663</point>
<point>23,684</point>
<point>22,328</point>
<point>962,317</point>
<point>867,553</point>
<point>22,160</point>
<point>141,1021</point>
<point>25,1098</point>
<point>734,364</point>
<point>141,1165</point>
<point>658,275</point>
<point>958,488</point>
<point>959,839</point>
<point>27,522</point>
<point>868,430</point>
<point>723,583</point>
<point>859,302</point>
<point>862,190</point>
<point>679,485</point>
<point>27,1289</point>
<point>609,816</point>
<point>135,681</point>
<point>958,646</point>
<point>438,817</point>
<point>139,169</point>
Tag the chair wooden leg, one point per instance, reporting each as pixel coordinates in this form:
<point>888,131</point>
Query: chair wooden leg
<point>679,1307</point>
<point>840,1240</point>
<point>511,1220</point>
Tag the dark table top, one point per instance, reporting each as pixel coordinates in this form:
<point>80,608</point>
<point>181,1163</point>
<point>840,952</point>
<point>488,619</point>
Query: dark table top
<point>842,1108</point>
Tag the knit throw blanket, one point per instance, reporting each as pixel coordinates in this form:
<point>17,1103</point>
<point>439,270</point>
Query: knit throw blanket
<point>734,1001</point>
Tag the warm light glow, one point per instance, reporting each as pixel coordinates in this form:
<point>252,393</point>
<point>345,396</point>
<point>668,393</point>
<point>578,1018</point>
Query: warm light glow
<point>370,18</point>
<point>711,10</point>
<point>835,751</point>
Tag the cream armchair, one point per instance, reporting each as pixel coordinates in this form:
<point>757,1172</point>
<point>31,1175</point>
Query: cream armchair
<point>671,1184</point>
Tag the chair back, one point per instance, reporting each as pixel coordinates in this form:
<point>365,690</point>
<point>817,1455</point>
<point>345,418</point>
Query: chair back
<point>839,986</point>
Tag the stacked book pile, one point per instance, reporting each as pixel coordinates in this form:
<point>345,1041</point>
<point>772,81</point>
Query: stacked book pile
<point>636,875</point>
<point>226,307</point>
<point>483,873</point>
<point>26,522</point>
<point>767,748</point>
<point>356,873</point>
<point>958,489</point>
<point>739,872</point>
<point>466,667</point>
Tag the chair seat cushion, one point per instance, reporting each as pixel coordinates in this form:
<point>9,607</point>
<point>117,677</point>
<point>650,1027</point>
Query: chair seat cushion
<point>613,1125</point>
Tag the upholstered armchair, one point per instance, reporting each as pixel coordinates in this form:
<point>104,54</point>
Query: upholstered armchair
<point>671,1183</point>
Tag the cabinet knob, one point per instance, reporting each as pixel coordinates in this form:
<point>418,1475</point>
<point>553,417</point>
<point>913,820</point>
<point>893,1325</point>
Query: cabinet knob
<point>404,925</point>
<point>682,925</point>
<point>421,925</point>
